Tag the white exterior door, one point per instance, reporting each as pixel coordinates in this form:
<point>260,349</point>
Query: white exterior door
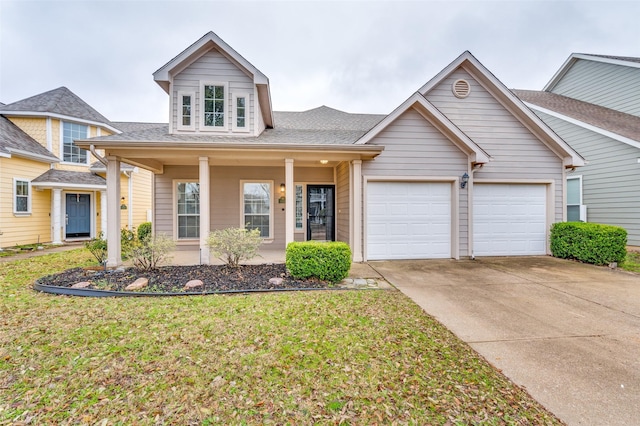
<point>509,219</point>
<point>408,220</point>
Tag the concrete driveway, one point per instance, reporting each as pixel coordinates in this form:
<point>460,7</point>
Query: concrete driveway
<point>567,332</point>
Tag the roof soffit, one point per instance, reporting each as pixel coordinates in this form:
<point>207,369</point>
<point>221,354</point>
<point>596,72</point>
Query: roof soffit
<point>510,102</point>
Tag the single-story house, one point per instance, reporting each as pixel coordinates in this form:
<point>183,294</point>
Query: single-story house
<point>593,103</point>
<point>462,168</point>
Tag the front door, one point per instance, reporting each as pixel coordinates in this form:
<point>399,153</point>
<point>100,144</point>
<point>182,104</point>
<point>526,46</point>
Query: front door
<point>321,212</point>
<point>78,215</point>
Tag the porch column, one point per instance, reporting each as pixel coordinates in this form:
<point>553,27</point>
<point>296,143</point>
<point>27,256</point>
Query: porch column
<point>56,216</point>
<point>103,213</point>
<point>114,255</point>
<point>290,204</point>
<point>205,217</point>
<point>357,210</point>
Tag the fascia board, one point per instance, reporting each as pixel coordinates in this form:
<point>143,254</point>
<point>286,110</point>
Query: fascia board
<point>68,185</point>
<point>596,129</point>
<point>33,156</point>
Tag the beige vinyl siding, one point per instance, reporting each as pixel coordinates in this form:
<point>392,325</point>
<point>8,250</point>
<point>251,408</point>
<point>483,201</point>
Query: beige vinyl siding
<point>414,148</point>
<point>225,206</point>
<point>609,180</point>
<point>515,152</point>
<point>212,67</point>
<point>31,228</point>
<point>608,85</point>
<point>342,202</point>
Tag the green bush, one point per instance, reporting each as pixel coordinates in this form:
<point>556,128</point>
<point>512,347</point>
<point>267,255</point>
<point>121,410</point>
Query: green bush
<point>233,245</point>
<point>327,261</point>
<point>151,252</point>
<point>127,242</point>
<point>98,248</point>
<point>144,230</point>
<point>589,242</point>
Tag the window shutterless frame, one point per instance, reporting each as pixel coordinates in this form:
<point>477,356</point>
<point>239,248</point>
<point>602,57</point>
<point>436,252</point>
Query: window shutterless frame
<point>257,206</point>
<point>213,106</point>
<point>21,196</point>
<point>185,110</point>
<point>240,109</point>
<point>70,152</point>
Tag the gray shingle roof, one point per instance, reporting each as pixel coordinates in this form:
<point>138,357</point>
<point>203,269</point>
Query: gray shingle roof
<point>131,126</point>
<point>317,126</point>
<point>614,121</point>
<point>70,178</point>
<point>58,101</point>
<point>12,138</point>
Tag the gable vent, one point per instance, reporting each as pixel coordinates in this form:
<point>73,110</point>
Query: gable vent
<point>461,88</point>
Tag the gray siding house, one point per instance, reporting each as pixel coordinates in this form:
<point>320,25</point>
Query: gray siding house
<point>593,103</point>
<point>462,168</point>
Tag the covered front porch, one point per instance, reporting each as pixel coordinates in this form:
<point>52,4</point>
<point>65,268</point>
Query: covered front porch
<point>280,190</point>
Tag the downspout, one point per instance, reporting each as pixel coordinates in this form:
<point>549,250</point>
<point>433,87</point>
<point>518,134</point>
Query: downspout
<point>472,169</point>
<point>95,154</point>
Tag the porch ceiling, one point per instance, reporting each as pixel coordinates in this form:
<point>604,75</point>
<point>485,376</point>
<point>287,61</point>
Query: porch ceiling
<point>155,158</point>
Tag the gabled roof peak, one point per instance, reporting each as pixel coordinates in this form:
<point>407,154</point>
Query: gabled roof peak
<point>626,61</point>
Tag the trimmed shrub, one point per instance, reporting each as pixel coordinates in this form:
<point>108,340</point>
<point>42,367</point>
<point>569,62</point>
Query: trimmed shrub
<point>232,245</point>
<point>127,242</point>
<point>589,242</point>
<point>327,261</point>
<point>151,252</point>
<point>144,230</point>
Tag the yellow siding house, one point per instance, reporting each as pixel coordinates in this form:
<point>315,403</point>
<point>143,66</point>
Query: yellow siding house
<point>52,191</point>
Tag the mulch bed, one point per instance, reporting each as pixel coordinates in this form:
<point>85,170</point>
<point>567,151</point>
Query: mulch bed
<point>172,279</point>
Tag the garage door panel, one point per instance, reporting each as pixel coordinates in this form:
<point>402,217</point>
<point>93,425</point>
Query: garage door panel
<point>416,222</point>
<point>509,219</point>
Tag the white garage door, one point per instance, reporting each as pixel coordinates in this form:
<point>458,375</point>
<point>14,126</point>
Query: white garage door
<point>408,220</point>
<point>509,219</point>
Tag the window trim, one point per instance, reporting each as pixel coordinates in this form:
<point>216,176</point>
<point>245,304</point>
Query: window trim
<point>234,112</point>
<point>15,196</point>
<point>303,228</point>
<point>176,230</point>
<point>271,204</point>
<point>179,107</point>
<point>225,110</point>
<point>71,163</point>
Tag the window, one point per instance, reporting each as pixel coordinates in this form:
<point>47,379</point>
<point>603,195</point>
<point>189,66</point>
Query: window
<point>21,196</point>
<point>256,212</point>
<point>188,209</point>
<point>214,106</point>
<point>70,152</point>
<point>575,210</point>
<point>241,112</point>
<point>299,208</point>
<point>185,111</point>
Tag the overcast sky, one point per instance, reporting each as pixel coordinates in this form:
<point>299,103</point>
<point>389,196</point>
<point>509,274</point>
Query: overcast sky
<point>357,56</point>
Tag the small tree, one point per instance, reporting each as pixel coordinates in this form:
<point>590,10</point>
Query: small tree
<point>144,229</point>
<point>98,248</point>
<point>233,245</point>
<point>151,252</point>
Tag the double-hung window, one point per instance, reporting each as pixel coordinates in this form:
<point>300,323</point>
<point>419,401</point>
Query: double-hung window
<point>21,196</point>
<point>185,111</point>
<point>257,209</point>
<point>575,210</point>
<point>241,112</point>
<point>188,210</point>
<point>70,152</point>
<point>213,108</point>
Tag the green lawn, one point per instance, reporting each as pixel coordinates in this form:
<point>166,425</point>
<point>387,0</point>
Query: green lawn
<point>360,357</point>
<point>632,262</point>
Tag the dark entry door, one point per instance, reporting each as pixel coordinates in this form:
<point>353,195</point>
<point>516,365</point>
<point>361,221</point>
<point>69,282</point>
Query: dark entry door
<point>78,218</point>
<point>321,212</point>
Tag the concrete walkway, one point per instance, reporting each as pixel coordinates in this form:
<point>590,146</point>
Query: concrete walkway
<point>568,332</point>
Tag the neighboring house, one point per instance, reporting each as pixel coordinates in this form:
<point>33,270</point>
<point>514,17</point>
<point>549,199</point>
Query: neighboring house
<point>461,168</point>
<point>593,103</point>
<point>50,190</point>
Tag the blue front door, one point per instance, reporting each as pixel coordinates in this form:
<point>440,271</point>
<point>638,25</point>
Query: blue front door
<point>78,217</point>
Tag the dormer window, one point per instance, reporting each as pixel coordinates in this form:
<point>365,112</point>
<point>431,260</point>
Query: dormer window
<point>214,97</point>
<point>241,112</point>
<point>185,111</point>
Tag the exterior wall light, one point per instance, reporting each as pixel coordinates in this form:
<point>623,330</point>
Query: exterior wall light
<point>282,198</point>
<point>464,180</point>
<point>324,161</point>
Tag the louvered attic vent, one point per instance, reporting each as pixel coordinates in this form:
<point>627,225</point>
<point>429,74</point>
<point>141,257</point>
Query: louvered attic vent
<point>461,88</point>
